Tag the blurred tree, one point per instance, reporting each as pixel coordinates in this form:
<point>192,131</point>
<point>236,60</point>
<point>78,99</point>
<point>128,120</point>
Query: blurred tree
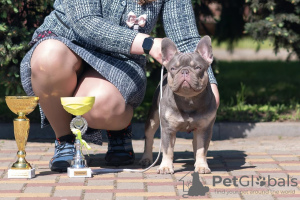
<point>229,26</point>
<point>277,20</point>
<point>18,20</point>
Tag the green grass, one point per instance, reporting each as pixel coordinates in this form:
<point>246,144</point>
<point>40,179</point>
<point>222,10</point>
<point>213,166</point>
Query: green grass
<point>265,82</point>
<point>257,91</point>
<point>245,43</point>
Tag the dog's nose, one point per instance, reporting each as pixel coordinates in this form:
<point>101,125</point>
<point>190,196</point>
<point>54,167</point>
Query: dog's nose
<point>185,71</point>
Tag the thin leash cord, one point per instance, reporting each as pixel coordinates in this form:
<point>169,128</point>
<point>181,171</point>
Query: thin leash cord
<point>96,171</point>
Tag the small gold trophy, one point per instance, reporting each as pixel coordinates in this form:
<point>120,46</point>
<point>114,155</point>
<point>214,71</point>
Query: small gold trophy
<point>78,106</point>
<point>21,105</point>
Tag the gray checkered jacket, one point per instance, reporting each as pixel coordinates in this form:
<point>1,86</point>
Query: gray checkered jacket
<point>99,25</point>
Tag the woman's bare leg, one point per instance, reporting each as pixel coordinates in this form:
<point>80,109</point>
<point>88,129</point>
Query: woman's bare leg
<point>110,110</point>
<point>54,74</point>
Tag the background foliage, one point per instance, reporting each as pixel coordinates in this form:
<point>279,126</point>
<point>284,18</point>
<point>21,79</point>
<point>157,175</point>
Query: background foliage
<point>275,20</point>
<point>18,20</point>
<point>278,20</point>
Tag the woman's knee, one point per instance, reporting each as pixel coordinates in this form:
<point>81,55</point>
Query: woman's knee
<point>52,59</point>
<point>110,112</point>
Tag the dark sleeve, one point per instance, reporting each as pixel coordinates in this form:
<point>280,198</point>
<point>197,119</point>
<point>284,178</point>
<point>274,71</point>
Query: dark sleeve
<point>86,20</point>
<point>180,26</point>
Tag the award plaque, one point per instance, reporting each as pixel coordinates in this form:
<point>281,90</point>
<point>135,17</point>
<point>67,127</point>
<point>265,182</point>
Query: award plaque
<point>21,105</point>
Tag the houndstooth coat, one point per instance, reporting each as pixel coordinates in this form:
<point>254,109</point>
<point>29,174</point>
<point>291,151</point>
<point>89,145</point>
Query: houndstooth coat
<point>96,30</point>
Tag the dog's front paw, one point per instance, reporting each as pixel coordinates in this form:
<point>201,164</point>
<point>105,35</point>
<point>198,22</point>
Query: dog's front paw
<point>165,168</point>
<point>146,160</point>
<point>202,169</point>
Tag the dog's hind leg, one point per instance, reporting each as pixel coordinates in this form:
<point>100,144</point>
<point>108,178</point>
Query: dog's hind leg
<point>151,126</point>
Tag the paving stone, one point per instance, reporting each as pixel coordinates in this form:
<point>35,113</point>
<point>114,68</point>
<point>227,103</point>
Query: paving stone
<point>280,152</point>
<point>71,180</point>
<point>129,174</point>
<point>11,156</point>
<point>11,186</point>
<point>243,173</point>
<point>45,158</point>
<point>274,175</point>
<point>5,164</point>
<point>38,190</point>
<point>67,193</point>
<point>153,198</point>
<point>291,167</point>
<point>98,196</point>
<point>32,157</point>
<point>241,157</point>
<point>226,194</point>
<point>283,189</point>
<point>130,185</point>
<point>260,197</point>
<point>129,198</point>
<point>286,158</point>
<point>92,182</point>
<point>262,166</point>
<point>259,156</point>
<point>238,164</point>
<point>158,176</point>
<point>164,188</point>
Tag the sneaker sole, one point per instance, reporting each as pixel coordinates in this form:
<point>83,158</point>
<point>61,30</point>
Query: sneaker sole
<point>63,167</point>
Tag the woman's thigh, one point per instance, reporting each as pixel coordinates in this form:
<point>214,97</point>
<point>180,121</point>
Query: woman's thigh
<point>109,110</point>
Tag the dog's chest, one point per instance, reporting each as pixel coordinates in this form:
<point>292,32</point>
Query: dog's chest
<point>186,121</point>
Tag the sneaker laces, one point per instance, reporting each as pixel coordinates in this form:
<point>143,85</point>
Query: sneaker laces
<point>63,149</point>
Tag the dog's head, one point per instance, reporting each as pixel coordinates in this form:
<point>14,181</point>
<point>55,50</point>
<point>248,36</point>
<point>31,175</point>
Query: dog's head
<point>187,72</point>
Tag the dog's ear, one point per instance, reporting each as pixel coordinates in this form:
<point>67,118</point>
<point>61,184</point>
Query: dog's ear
<point>168,50</point>
<point>205,50</point>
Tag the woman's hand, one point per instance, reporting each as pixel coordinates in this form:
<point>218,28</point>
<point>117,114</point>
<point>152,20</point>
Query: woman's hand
<point>155,51</point>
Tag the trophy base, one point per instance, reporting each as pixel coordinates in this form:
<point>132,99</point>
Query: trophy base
<point>81,172</point>
<point>21,173</point>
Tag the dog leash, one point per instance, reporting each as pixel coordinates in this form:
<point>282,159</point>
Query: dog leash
<point>98,171</point>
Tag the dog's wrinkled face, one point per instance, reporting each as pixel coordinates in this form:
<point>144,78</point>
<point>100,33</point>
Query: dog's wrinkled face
<point>187,72</point>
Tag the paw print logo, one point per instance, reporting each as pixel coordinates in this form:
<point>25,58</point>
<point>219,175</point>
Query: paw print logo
<point>261,181</point>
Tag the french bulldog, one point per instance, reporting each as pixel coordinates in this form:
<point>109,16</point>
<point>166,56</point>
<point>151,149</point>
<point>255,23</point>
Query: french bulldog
<point>188,105</point>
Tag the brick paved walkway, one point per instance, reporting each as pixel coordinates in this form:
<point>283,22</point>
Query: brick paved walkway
<point>275,159</point>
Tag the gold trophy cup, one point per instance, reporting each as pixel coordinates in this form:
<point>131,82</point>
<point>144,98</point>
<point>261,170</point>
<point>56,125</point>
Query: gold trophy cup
<point>21,105</point>
<point>78,106</point>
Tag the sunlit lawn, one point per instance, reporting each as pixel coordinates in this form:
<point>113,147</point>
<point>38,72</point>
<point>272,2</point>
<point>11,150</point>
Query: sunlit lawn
<point>249,91</point>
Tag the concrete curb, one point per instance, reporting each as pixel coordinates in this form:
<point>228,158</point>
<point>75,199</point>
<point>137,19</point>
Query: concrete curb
<point>221,131</point>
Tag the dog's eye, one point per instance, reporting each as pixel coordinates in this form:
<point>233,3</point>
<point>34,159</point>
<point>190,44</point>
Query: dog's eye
<point>197,67</point>
<point>172,68</point>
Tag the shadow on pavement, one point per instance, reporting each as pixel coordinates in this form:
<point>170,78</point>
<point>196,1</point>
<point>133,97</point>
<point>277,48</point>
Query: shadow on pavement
<point>223,160</point>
